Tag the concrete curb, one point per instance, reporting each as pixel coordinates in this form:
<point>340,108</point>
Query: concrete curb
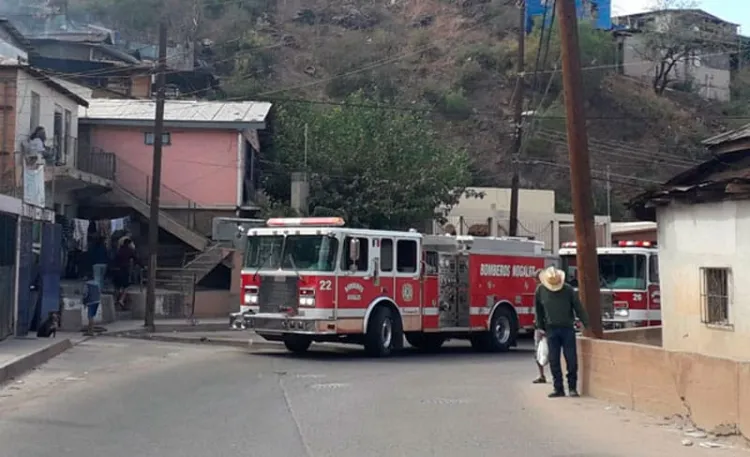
<point>169,328</point>
<point>250,344</point>
<point>28,362</point>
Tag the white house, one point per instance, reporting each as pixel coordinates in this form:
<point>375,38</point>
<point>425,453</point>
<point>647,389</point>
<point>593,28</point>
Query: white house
<point>37,101</point>
<point>703,220</point>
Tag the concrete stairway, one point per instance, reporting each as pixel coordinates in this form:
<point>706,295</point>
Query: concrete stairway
<point>167,222</point>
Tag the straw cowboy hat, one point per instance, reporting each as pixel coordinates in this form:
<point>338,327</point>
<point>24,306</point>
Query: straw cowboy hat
<point>552,278</point>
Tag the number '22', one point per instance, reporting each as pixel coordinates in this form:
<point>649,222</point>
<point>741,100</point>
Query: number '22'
<point>325,284</point>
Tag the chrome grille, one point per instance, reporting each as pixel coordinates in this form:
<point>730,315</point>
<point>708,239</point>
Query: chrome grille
<point>277,292</point>
<point>607,301</point>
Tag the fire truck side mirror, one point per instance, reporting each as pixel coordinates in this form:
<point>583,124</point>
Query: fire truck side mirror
<point>354,249</point>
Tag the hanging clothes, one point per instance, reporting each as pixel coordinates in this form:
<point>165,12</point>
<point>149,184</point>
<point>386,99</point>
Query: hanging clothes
<point>117,224</point>
<point>80,233</point>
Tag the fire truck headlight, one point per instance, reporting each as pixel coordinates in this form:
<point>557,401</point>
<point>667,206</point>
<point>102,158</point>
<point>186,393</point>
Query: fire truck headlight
<point>250,299</point>
<point>307,301</point>
<point>622,313</point>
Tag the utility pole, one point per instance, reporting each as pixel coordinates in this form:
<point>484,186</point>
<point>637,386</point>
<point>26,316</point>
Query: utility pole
<point>609,194</point>
<point>518,121</point>
<point>153,223</point>
<point>580,169</point>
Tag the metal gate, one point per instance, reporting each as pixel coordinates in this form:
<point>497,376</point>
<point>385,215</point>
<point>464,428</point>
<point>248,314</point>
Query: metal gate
<point>8,232</point>
<point>50,267</point>
<point>25,271</point>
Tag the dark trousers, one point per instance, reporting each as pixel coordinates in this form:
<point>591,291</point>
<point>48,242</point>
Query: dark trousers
<point>563,340</point>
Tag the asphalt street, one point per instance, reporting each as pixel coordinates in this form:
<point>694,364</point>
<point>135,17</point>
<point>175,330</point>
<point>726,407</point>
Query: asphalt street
<point>115,397</point>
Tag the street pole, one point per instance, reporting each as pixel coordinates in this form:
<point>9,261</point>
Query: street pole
<point>609,194</point>
<point>580,169</point>
<point>153,225</point>
<point>518,121</point>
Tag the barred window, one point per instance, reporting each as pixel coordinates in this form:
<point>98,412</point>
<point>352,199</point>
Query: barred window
<point>716,296</point>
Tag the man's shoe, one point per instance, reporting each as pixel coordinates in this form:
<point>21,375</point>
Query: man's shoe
<point>556,394</point>
<point>540,380</point>
<point>573,393</point>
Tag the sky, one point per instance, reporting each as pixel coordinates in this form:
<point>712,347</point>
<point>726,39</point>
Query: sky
<point>737,11</point>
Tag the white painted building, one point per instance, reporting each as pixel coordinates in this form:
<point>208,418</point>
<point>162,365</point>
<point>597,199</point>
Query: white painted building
<point>41,101</point>
<point>707,69</point>
<point>703,218</point>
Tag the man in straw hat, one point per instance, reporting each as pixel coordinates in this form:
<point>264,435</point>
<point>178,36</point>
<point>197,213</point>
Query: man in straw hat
<point>557,305</point>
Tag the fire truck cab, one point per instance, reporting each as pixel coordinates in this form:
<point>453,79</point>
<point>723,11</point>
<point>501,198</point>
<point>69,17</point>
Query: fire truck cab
<point>313,280</point>
<point>629,279</point>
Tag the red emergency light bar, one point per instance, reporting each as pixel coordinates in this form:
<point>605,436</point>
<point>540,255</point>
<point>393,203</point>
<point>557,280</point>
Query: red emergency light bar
<point>305,222</point>
<point>636,244</point>
<point>621,244</point>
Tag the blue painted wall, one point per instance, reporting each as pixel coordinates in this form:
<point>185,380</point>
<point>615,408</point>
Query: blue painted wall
<point>601,17</point>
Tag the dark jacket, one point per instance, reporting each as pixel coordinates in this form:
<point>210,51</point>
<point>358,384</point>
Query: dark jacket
<point>558,309</point>
<point>99,254</point>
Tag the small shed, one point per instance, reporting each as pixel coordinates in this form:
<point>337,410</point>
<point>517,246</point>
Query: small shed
<point>703,218</point>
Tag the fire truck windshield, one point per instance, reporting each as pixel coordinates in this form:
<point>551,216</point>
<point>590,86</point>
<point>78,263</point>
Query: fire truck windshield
<point>291,252</point>
<point>616,271</point>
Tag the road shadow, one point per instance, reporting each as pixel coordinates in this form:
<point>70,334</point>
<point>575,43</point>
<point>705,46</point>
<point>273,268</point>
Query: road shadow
<point>343,354</point>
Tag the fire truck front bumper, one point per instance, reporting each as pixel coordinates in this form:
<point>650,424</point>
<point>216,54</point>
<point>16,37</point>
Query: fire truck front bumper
<point>273,326</point>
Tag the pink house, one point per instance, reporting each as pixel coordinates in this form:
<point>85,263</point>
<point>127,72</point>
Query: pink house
<point>209,154</point>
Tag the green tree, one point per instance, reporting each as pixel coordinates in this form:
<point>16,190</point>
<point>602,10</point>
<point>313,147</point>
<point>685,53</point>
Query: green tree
<point>378,168</point>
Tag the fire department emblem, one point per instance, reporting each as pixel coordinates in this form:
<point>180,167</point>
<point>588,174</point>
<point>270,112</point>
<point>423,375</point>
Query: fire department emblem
<point>407,292</point>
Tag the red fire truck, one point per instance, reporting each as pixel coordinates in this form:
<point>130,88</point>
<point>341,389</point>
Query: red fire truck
<point>311,280</point>
<point>629,277</point>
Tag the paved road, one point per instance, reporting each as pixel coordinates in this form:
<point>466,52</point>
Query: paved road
<point>116,397</point>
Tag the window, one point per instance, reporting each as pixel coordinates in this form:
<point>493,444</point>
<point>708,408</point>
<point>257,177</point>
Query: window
<point>263,252</point>
<point>166,138</point>
<point>35,109</point>
<point>653,269</point>
<point>309,253</point>
<point>432,261</point>
<point>407,258</point>
<point>616,271</point>
<point>364,262</point>
<point>715,296</point>
<point>386,255</point>
<point>67,132</point>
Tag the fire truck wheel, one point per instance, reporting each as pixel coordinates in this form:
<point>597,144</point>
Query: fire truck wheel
<point>423,342</point>
<point>502,334</point>
<point>297,344</point>
<point>381,333</point>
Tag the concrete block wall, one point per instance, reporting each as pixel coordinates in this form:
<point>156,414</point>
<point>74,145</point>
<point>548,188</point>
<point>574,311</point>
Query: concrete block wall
<point>713,393</point>
<point>75,316</point>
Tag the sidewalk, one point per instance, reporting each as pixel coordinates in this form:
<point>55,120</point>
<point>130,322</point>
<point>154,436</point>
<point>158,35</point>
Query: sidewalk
<point>207,331</point>
<point>19,355</point>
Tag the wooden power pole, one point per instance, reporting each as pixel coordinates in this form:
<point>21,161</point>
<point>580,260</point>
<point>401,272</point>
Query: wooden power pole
<point>580,168</point>
<point>517,122</point>
<point>153,223</point>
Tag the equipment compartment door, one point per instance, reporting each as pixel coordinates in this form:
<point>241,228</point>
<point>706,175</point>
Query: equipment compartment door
<point>453,294</point>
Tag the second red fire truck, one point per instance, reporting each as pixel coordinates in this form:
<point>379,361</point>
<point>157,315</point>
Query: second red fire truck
<point>311,280</point>
<point>629,281</point>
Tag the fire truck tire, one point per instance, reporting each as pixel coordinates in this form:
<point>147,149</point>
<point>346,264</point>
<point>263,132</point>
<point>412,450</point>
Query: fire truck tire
<point>382,331</point>
<point>297,344</point>
<point>502,335</point>
<point>424,342</point>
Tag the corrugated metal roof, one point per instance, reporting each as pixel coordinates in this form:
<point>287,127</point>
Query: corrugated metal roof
<point>177,111</point>
<point>733,135</point>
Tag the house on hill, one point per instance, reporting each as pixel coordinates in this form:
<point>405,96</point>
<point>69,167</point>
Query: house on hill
<point>702,217</point>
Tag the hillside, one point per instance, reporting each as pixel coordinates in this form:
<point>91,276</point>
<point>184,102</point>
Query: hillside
<point>450,59</point>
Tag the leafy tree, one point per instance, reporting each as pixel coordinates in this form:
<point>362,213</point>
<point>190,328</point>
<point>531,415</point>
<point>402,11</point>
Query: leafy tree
<point>378,168</point>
